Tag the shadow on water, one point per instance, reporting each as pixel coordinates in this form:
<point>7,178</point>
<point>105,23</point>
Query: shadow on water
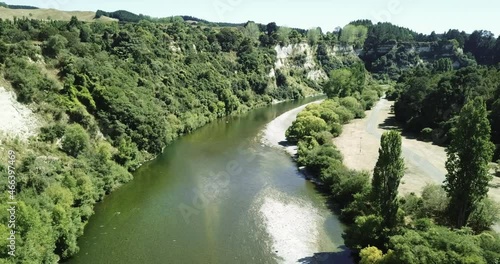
<point>341,257</point>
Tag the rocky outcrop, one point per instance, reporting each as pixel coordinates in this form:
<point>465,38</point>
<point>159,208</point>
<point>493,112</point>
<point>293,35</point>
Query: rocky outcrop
<point>18,121</point>
<point>304,56</point>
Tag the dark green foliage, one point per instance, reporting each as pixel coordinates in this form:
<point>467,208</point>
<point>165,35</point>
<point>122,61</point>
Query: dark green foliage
<point>433,100</point>
<point>377,209</point>
<point>468,157</point>
<point>75,140</point>
<point>2,4</point>
<point>121,15</point>
<point>386,178</point>
<point>482,44</point>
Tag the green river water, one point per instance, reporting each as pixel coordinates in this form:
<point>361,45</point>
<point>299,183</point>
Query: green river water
<point>218,195</point>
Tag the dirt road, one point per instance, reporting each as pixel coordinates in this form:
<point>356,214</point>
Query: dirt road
<point>425,162</point>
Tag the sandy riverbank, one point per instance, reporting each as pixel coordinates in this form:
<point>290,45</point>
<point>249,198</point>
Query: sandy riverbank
<point>274,133</point>
<point>295,225</point>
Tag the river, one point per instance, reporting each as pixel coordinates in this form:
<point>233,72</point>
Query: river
<point>218,195</point>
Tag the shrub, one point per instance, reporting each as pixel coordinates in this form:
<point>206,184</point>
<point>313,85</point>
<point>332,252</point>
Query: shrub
<point>305,126</point>
<point>486,214</point>
<point>344,114</point>
<point>75,140</point>
<point>426,134</point>
<point>354,106</point>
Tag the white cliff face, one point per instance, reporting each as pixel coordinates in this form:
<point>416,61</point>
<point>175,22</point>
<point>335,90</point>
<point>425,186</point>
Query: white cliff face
<point>286,54</point>
<point>17,120</point>
<point>286,58</point>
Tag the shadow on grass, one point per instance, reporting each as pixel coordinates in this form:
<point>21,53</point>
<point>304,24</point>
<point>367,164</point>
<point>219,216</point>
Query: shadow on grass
<point>341,257</point>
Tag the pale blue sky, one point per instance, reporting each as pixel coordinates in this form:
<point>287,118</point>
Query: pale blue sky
<point>422,15</point>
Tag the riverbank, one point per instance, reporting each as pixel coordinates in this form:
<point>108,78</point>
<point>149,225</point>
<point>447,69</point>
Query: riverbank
<point>295,226</point>
<point>274,133</point>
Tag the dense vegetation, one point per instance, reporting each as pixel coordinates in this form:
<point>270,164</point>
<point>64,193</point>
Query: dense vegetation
<point>446,224</point>
<point>428,99</point>
<point>390,50</point>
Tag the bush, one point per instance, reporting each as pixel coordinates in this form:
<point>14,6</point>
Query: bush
<point>486,214</point>
<point>321,157</point>
<point>426,134</point>
<point>304,126</point>
<point>75,140</point>
<point>51,133</point>
<point>354,106</point>
<point>344,114</point>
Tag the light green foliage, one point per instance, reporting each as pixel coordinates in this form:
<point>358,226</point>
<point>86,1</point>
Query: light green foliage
<point>284,35</point>
<point>305,126</point>
<point>252,31</point>
<point>370,255</point>
<point>433,244</point>
<point>353,106</point>
<point>347,81</point>
<point>314,35</point>
<point>432,204</point>
<point>113,95</point>
<point>354,35</point>
<point>468,157</point>
<point>485,215</point>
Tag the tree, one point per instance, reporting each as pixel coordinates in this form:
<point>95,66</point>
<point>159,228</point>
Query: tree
<point>352,34</point>
<point>75,140</point>
<point>386,178</point>
<point>283,35</point>
<point>469,153</point>
<point>252,31</point>
<point>314,35</point>
<point>54,45</point>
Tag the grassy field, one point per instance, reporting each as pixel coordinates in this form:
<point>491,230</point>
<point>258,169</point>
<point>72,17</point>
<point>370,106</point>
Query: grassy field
<point>50,14</point>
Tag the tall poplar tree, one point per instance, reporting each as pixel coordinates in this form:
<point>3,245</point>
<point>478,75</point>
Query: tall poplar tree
<point>386,178</point>
<point>469,153</point>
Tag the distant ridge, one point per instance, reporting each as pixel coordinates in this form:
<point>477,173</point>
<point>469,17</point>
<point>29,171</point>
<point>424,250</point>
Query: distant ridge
<point>2,4</point>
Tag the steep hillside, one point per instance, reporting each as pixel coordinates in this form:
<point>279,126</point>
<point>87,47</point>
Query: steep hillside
<point>394,57</point>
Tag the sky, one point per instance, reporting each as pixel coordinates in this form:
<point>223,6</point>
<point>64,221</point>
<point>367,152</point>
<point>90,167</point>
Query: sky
<point>423,16</point>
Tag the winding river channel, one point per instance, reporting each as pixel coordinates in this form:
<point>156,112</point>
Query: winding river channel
<point>218,195</point>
